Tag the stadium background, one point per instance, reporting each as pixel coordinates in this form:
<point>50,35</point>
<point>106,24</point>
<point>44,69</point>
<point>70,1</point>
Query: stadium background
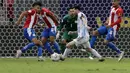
<point>11,36</point>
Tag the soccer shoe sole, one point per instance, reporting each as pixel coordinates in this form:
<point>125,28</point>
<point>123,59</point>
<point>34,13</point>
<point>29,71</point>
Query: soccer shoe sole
<point>101,60</point>
<point>121,56</point>
<point>18,54</point>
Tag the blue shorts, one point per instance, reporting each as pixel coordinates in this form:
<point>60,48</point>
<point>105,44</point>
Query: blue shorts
<point>29,34</point>
<point>47,32</point>
<point>109,32</point>
<point>102,30</point>
<point>110,35</point>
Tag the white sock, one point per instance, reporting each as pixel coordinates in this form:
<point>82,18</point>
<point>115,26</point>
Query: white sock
<point>66,52</point>
<point>95,53</point>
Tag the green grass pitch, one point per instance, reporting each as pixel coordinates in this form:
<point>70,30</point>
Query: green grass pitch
<point>31,65</point>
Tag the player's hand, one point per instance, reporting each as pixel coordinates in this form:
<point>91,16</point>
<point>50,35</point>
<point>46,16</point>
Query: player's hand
<point>63,29</point>
<point>17,23</point>
<point>70,32</point>
<point>89,28</point>
<point>108,26</point>
<point>58,35</point>
<point>105,23</point>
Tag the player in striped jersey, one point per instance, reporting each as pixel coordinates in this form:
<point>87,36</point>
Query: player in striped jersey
<point>29,33</point>
<point>83,35</point>
<point>49,33</point>
<point>110,28</point>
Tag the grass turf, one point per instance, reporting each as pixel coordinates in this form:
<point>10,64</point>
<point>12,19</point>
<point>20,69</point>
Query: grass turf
<point>27,65</point>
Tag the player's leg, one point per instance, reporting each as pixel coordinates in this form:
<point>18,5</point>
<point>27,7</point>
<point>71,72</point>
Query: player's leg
<point>88,53</point>
<point>93,51</point>
<point>40,58</point>
<point>68,48</point>
<point>73,36</point>
<point>40,46</point>
<point>30,35</point>
<point>110,37</point>
<point>100,31</point>
<point>55,44</point>
<point>44,39</point>
<point>65,39</point>
<point>52,36</point>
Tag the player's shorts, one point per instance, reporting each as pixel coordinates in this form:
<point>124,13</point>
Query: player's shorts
<point>102,30</point>
<point>109,32</point>
<point>68,37</point>
<point>110,35</point>
<point>47,32</point>
<point>82,42</point>
<point>29,34</point>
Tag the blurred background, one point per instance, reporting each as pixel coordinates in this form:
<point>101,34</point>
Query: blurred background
<point>11,37</point>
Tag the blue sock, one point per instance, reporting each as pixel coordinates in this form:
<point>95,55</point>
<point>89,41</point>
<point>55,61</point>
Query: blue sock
<point>29,46</point>
<point>92,42</point>
<point>39,51</point>
<point>56,46</point>
<point>48,47</point>
<point>113,47</point>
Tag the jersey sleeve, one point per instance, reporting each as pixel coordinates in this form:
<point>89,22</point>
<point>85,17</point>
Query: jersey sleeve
<point>46,11</point>
<point>119,12</point>
<point>31,12</point>
<point>63,23</point>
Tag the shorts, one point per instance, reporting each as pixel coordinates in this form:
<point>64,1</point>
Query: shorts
<point>82,42</point>
<point>29,34</point>
<point>102,30</point>
<point>109,32</point>
<point>110,35</point>
<point>47,32</point>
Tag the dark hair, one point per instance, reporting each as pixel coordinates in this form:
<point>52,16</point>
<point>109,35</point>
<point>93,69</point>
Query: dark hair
<point>116,0</point>
<point>77,7</point>
<point>37,3</point>
<point>70,8</point>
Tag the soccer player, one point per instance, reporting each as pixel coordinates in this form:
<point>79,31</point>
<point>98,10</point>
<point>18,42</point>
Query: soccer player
<point>83,35</point>
<point>49,32</point>
<point>29,33</point>
<point>110,28</point>
<point>68,25</point>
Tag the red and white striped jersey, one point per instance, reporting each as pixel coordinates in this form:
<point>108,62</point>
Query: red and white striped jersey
<point>31,19</point>
<point>115,14</point>
<point>48,20</point>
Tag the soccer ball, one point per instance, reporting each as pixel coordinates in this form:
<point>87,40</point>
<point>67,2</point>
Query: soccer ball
<point>55,57</point>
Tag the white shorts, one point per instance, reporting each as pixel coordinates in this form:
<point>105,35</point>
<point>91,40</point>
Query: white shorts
<point>82,42</point>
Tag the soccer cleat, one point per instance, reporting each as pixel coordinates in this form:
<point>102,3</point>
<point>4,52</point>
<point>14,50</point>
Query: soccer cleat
<point>101,60</point>
<point>40,58</point>
<point>61,57</point>
<point>91,58</point>
<point>121,56</point>
<point>18,54</point>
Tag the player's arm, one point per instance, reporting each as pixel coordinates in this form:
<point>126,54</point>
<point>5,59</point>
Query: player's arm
<point>85,22</point>
<point>72,32</point>
<point>119,13</point>
<point>60,27</point>
<point>107,21</point>
<point>51,15</point>
<point>25,13</point>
